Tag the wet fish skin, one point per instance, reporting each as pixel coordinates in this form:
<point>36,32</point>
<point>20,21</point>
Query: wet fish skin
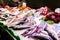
<point>50,34</point>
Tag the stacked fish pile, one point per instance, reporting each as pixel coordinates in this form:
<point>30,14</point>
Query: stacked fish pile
<point>43,32</point>
<point>27,17</point>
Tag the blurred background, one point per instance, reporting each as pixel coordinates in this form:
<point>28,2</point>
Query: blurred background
<point>52,4</point>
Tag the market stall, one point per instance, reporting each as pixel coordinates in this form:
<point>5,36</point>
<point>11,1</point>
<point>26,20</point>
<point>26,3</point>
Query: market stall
<point>28,23</point>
